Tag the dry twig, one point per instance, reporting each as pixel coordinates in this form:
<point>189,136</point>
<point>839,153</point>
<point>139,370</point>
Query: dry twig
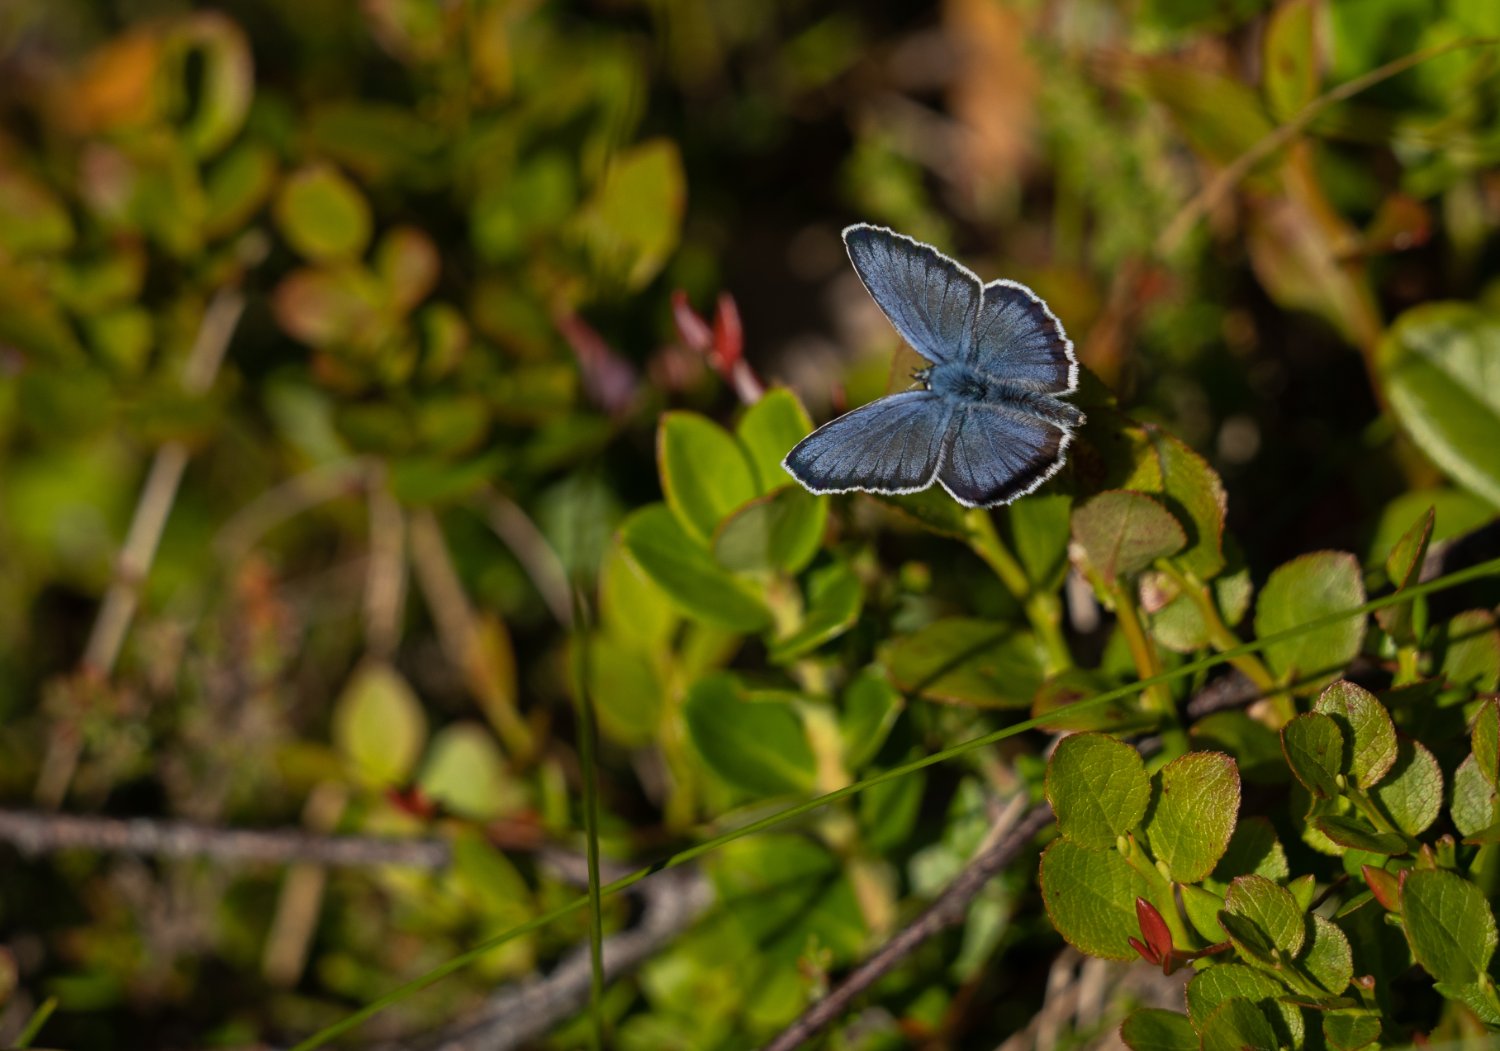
<point>945,912</point>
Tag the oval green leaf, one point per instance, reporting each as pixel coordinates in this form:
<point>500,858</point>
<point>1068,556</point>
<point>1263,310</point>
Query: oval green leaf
<point>687,573</point>
<point>1090,897</point>
<point>1303,590</point>
<point>1123,532</point>
<point>1369,736</point>
<point>1098,788</point>
<point>1440,363</point>
<point>759,746</point>
<point>1196,803</point>
<point>704,472</point>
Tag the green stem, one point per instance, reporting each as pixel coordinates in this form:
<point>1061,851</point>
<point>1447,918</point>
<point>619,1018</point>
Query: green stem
<point>1158,696</point>
<point>1219,635</point>
<point>1042,609</point>
<point>587,740</point>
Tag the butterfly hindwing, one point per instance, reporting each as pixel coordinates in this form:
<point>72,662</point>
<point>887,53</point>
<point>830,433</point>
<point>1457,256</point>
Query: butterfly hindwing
<point>1018,339</point>
<point>892,445</point>
<point>930,299</point>
<point>996,454</point>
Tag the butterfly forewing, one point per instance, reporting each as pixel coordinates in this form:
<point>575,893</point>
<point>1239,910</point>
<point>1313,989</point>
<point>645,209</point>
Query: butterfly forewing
<point>1019,340</point>
<point>930,299</point>
<point>892,445</point>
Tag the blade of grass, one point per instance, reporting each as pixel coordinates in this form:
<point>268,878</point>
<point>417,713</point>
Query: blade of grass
<point>35,1022</point>
<point>586,753</point>
<point>682,857</point>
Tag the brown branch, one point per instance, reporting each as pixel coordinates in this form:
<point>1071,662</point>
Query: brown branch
<point>947,911</point>
<point>159,492</point>
<point>521,1014</point>
<point>44,833</point>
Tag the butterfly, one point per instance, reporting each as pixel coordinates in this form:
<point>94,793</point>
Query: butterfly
<point>987,421</point>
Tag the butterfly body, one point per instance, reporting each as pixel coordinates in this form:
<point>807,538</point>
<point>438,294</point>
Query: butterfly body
<point>989,422</point>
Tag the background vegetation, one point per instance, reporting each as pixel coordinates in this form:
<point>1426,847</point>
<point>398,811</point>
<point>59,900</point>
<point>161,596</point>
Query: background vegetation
<point>340,343</point>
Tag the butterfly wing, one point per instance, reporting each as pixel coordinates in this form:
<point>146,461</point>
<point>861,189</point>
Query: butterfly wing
<point>997,454</point>
<point>1020,340</point>
<point>930,299</point>
<point>892,445</point>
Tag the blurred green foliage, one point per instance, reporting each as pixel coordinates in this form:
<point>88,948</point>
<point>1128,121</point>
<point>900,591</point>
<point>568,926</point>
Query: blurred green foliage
<point>390,285</point>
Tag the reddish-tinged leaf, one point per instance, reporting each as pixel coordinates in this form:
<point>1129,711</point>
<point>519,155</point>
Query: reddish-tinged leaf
<point>1385,887</point>
<point>608,379</point>
<point>691,328</point>
<point>1153,928</point>
<point>729,335</point>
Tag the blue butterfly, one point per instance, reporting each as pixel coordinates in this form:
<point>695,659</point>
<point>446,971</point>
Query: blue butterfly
<point>988,421</point>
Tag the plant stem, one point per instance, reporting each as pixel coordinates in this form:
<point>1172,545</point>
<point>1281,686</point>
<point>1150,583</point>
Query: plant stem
<point>1157,697</point>
<point>1219,635</point>
<point>1042,609</point>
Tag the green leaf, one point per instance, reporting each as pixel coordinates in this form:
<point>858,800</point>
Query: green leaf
<point>1039,537</point>
<point>1090,897</point>
<point>1402,567</point>
<point>237,187</point>
<point>1098,789</point>
<point>379,725</point>
<point>757,745</point>
<point>32,220</point>
<point>1196,801</point>
<point>1369,736</point>
<point>768,430</point>
<point>1123,532</point>
<point>1214,986</point>
<point>631,605</point>
<point>970,662</point>
<point>1440,364</point>
<point>704,472</point>
<point>1154,1029</point>
<point>834,597</point>
<point>632,221</point>
<point>1405,559</point>
<point>626,689</point>
<point>780,531</point>
<point>1256,747</point>
<point>788,896</point>
<point>1327,958</point>
<point>1271,909</point>
<point>1476,803</point>
<point>1449,925</point>
<point>1412,794</point>
<point>1220,116</point>
<point>1470,645</point>
<point>1357,834</point>
<point>1237,1024</point>
<point>1253,850</point>
<point>1291,60</point>
<point>871,707</point>
<point>323,215</point>
<point>1179,625</point>
<point>1202,908</point>
<point>688,574</point>
<point>1351,1030</point>
<point>1303,590</point>
<point>225,81</point>
<point>1188,487</point>
<point>465,773</point>
<point>1485,740</point>
<point>1314,749</point>
<point>1478,996</point>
